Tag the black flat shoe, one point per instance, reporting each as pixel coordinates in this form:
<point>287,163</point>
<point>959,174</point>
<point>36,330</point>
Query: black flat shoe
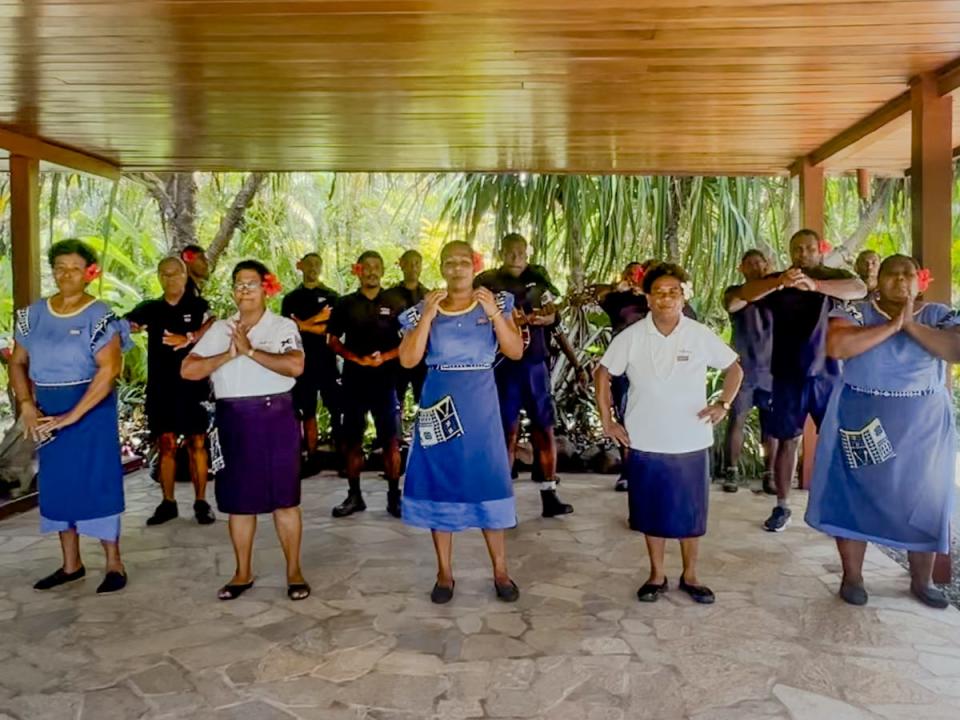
<point>853,594</point>
<point>700,593</point>
<point>931,597</point>
<point>59,577</point>
<point>298,591</point>
<point>651,592</point>
<point>112,582</point>
<point>232,592</point>
<point>507,593</point>
<point>442,595</point>
<point>203,513</point>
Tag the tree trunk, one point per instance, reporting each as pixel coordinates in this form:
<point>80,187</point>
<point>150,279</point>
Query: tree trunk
<point>679,190</point>
<point>869,215</point>
<point>231,220</point>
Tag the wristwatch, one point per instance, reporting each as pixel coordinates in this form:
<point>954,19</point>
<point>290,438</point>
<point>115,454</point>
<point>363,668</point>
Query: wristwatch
<point>250,352</point>
<point>725,404</point>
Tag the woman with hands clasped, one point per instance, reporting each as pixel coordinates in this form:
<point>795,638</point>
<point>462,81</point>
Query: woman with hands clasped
<point>458,476</point>
<point>253,359</point>
<point>669,424</point>
<point>885,457</point>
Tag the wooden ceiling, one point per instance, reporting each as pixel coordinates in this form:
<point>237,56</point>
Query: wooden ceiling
<point>678,86</point>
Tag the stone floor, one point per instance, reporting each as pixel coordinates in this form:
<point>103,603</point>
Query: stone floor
<point>368,644</point>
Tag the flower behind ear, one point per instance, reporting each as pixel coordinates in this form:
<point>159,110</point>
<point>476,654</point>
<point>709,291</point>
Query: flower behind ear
<point>91,273</point>
<point>188,256</point>
<point>924,278</point>
<point>271,285</point>
<point>477,263</point>
<point>357,269</point>
<point>637,274</point>
<point>824,247</point>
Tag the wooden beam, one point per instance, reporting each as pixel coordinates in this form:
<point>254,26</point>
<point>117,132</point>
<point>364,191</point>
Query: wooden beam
<point>25,228</point>
<point>33,147</point>
<point>948,77</point>
<point>890,110</point>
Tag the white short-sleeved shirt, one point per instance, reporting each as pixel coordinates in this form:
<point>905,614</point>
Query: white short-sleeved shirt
<point>243,377</point>
<point>668,379</point>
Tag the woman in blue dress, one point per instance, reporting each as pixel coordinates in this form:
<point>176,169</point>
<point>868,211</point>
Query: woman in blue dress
<point>458,476</point>
<point>67,358</point>
<point>884,470</point>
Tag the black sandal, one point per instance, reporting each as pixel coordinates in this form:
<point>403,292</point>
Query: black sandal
<point>507,593</point>
<point>651,592</point>
<point>442,595</point>
<point>699,593</point>
<point>298,591</point>
<point>232,592</point>
<point>59,577</point>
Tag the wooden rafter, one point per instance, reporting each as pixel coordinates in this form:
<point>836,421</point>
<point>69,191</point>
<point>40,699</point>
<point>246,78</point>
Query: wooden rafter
<point>34,147</point>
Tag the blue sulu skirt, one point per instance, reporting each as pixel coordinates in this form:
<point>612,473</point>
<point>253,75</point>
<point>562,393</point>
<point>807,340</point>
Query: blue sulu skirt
<point>458,475</point>
<point>81,474</point>
<point>669,493</point>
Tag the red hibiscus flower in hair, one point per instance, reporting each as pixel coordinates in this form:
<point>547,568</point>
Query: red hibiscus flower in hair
<point>271,285</point>
<point>637,274</point>
<point>825,247</point>
<point>92,272</point>
<point>357,269</point>
<point>477,262</point>
<point>924,278</point>
<point>188,256</point>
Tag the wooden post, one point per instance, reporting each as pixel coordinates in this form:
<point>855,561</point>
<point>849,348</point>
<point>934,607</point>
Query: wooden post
<point>863,184</point>
<point>931,186</point>
<point>25,228</point>
<point>811,195</point>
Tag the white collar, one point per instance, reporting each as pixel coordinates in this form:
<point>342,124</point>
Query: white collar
<point>651,329</point>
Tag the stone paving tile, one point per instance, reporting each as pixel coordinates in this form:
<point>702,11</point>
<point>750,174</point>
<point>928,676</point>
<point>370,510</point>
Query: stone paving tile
<point>369,645</point>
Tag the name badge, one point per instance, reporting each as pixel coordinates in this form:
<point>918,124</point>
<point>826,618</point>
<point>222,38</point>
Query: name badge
<point>187,318</point>
<point>683,355</point>
<point>75,331</point>
<point>384,311</point>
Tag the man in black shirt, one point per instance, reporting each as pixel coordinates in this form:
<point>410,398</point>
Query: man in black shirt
<point>310,306</point>
<point>198,268</point>
<point>365,332</point>
<point>800,300</point>
<point>411,291</point>
<point>525,383</point>
<point>753,340</point>
<point>174,407</point>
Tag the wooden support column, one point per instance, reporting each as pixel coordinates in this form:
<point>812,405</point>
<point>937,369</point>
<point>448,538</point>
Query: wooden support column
<point>811,195</point>
<point>931,186</point>
<point>25,228</point>
<point>863,184</point>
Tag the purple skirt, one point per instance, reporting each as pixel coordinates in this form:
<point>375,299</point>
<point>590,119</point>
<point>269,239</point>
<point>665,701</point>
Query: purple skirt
<point>259,439</point>
<point>669,493</point>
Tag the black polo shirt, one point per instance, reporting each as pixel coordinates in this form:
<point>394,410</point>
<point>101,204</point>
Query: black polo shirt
<point>163,362</point>
<point>624,308</point>
<point>366,326</point>
<point>531,290</point>
<point>304,303</point>
<point>800,320</point>
<point>753,340</point>
<point>408,296</point>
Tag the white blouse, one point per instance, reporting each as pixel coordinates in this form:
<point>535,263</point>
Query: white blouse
<point>668,380</point>
<point>242,376</point>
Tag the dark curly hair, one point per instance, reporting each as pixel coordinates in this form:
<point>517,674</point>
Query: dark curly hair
<point>887,261</point>
<point>258,267</point>
<point>71,246</point>
<point>663,269</point>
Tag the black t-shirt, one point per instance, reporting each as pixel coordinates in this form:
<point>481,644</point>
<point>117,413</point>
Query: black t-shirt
<point>366,326</point>
<point>800,319</point>
<point>531,290</point>
<point>753,340</point>
<point>163,362</point>
<point>410,297</point>
<point>624,308</point>
<point>304,303</point>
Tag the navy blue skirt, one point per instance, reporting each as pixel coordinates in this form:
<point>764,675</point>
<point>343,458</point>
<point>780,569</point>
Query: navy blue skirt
<point>81,474</point>
<point>669,493</point>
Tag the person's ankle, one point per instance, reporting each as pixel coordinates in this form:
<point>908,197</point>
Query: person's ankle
<point>852,580</point>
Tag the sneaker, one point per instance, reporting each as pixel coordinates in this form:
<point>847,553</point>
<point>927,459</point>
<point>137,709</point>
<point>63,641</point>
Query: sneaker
<point>621,485</point>
<point>552,505</point>
<point>166,511</point>
<point>779,519</point>
<point>731,480</point>
<point>353,504</point>
<point>203,513</point>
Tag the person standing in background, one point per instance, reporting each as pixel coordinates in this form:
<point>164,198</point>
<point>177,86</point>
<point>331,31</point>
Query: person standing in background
<point>867,267</point>
<point>412,292</point>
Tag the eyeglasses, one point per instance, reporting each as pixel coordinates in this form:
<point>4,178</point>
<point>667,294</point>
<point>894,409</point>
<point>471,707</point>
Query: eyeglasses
<point>671,293</point>
<point>245,286</point>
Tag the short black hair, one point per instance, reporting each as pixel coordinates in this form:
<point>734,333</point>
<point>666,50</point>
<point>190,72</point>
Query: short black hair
<point>663,269</point>
<point>368,254</point>
<point>71,246</point>
<point>310,255</point>
<point>192,248</point>
<point>410,252</point>
<point>805,231</point>
<point>897,258</point>
<point>513,237</point>
<point>255,265</point>
<point>454,244</point>
<point>751,253</point>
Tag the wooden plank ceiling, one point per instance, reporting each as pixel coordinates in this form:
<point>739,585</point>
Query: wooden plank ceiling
<point>678,86</point>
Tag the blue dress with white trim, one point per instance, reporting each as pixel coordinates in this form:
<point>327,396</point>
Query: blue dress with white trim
<point>80,472</point>
<point>458,474</point>
<point>884,468</point>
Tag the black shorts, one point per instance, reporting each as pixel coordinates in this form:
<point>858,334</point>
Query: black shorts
<point>794,399</point>
<point>412,378</point>
<point>173,412</point>
<point>373,391</point>
<point>525,386</point>
<point>749,397</point>
<point>619,388</point>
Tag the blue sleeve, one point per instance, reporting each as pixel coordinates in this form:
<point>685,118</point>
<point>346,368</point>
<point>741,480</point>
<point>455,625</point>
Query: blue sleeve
<point>410,318</point>
<point>505,301</point>
<point>941,317</point>
<point>849,310</point>
<point>24,320</point>
<point>105,327</point>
